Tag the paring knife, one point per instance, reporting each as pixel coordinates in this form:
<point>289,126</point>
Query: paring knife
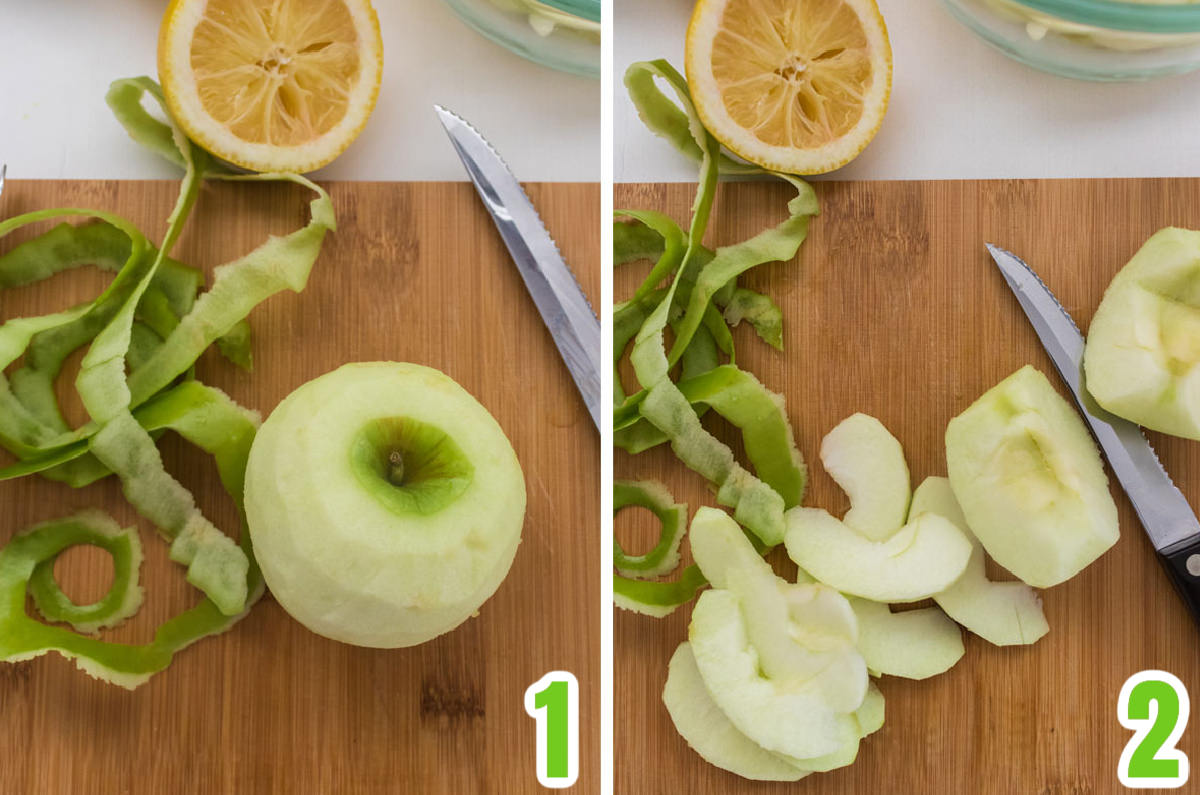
<point>563,306</point>
<point>1163,510</point>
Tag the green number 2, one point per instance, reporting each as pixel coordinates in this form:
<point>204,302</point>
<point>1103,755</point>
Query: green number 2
<point>553,701</point>
<point>1150,758</point>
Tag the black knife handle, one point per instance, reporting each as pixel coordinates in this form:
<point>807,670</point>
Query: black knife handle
<point>1182,562</point>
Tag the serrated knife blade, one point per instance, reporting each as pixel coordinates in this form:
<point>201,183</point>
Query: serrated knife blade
<point>561,303</point>
<point>1164,512</point>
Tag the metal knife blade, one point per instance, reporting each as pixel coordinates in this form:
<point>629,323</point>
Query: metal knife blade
<point>562,304</point>
<point>1164,512</point>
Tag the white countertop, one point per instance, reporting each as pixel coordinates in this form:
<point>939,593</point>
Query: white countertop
<point>959,109</point>
<point>58,57</point>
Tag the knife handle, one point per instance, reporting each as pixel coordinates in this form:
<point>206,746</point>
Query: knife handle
<point>1182,562</point>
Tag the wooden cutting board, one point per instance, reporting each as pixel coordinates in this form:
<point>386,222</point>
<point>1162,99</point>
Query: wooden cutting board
<point>894,309</point>
<point>416,272</point>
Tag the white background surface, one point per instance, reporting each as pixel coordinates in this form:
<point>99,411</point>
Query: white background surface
<point>57,58</point>
<point>959,109</point>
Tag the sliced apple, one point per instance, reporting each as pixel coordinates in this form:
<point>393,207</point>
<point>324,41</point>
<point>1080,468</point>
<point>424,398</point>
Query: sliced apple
<point>868,719</point>
<point>870,715</point>
<point>923,558</point>
<point>844,756</point>
<point>719,546</point>
<point>710,733</point>
<point>787,717</point>
<point>1030,482</point>
<point>813,646</point>
<point>914,644</point>
<point>867,462</point>
<point>1002,613</point>
<point>1142,359</point>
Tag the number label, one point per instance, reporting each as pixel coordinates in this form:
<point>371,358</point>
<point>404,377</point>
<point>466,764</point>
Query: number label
<point>1154,706</point>
<point>553,701</point>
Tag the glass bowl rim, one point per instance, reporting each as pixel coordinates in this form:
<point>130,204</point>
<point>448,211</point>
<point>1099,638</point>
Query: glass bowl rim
<point>1133,17</point>
<point>586,9</point>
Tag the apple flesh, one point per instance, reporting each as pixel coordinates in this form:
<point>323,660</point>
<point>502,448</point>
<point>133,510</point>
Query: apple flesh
<point>710,733</point>
<point>914,644</point>
<point>1142,359</point>
<point>787,717</point>
<point>867,462</point>
<point>922,558</point>
<point>868,718</point>
<point>870,715</point>
<point>1002,613</point>
<point>1030,481</point>
<point>385,504</point>
<point>719,547</point>
<point>810,644</point>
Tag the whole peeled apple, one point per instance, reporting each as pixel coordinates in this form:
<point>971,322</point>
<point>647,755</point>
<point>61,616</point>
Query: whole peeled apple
<point>385,504</point>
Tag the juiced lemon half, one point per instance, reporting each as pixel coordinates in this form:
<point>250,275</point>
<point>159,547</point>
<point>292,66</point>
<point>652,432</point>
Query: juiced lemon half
<point>798,86</point>
<point>271,85</point>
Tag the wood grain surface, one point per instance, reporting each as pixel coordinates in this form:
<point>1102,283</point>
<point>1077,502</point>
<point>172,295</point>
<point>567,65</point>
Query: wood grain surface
<point>894,309</point>
<point>416,272</point>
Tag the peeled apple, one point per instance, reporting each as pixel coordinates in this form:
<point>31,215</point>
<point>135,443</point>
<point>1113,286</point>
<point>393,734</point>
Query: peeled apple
<point>1142,360</point>
<point>385,504</point>
<point>1030,482</point>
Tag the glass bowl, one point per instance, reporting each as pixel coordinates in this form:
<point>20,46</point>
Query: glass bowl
<point>561,34</point>
<point>1090,39</point>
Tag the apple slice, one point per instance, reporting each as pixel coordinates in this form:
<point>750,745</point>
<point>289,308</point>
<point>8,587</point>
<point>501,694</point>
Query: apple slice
<point>719,546</point>
<point>869,716</point>
<point>921,559</point>
<point>1002,613</point>
<point>385,504</point>
<point>814,645</point>
<point>914,644</point>
<point>1142,359</point>
<point>710,733</point>
<point>787,717</point>
<point>868,719</point>
<point>1030,482</point>
<point>867,462</point>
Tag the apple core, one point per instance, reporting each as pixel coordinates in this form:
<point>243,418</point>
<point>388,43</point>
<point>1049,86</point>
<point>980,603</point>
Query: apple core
<point>409,466</point>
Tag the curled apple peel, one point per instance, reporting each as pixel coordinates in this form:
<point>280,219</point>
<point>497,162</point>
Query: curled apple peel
<point>143,333</point>
<point>701,277</point>
<point>672,517</point>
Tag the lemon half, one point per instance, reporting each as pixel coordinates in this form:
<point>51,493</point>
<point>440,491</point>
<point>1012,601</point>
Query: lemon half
<point>271,85</point>
<point>798,86</point>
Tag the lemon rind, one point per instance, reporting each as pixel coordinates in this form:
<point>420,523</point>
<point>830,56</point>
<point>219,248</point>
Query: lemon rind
<point>706,94</point>
<point>179,85</point>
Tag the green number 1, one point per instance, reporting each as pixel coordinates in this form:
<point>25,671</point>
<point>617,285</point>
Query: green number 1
<point>1150,758</point>
<point>553,701</point>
